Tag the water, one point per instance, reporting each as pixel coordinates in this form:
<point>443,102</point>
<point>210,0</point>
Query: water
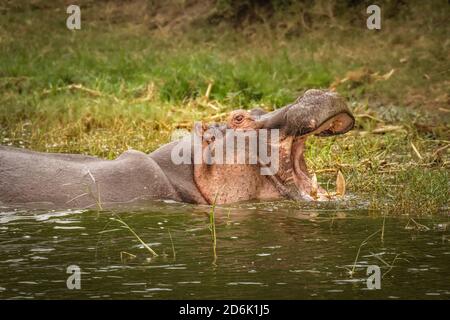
<point>274,250</point>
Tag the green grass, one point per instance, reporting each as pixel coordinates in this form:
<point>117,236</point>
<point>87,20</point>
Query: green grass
<point>114,86</point>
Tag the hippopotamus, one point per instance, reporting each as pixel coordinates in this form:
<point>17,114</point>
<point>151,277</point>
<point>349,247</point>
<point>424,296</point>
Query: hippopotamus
<point>82,181</point>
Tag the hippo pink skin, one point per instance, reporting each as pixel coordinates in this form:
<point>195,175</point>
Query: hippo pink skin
<point>78,181</point>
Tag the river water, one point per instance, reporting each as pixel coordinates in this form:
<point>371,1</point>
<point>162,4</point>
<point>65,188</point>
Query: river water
<point>278,250</point>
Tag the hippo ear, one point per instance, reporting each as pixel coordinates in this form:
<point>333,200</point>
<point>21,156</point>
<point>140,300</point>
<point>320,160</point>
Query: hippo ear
<point>207,134</point>
<point>199,128</point>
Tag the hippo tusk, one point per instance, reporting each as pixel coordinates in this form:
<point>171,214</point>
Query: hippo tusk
<point>314,186</point>
<point>340,184</point>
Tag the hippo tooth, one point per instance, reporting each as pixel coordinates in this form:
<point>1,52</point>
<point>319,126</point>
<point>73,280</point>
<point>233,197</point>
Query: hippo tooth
<point>340,184</point>
<point>314,186</point>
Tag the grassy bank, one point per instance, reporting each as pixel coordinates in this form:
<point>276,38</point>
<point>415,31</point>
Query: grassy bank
<point>118,84</point>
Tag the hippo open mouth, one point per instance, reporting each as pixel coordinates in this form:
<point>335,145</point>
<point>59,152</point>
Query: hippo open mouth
<point>293,179</point>
<point>319,113</point>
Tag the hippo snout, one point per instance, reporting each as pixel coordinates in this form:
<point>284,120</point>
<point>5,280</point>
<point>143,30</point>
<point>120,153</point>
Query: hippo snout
<point>319,112</point>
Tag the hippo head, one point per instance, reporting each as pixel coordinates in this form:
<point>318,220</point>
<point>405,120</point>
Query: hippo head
<point>317,112</point>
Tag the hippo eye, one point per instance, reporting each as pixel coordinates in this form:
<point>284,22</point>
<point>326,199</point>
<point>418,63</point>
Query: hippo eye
<point>239,118</point>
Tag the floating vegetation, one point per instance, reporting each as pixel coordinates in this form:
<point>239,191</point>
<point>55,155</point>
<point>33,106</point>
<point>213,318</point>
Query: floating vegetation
<point>135,235</point>
<point>173,246</point>
<point>212,228</point>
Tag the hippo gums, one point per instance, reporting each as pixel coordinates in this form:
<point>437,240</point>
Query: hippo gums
<point>209,165</point>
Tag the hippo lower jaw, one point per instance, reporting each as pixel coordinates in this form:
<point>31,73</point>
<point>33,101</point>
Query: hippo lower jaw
<point>301,177</point>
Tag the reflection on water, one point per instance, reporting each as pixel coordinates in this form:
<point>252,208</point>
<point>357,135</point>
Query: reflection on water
<point>274,250</point>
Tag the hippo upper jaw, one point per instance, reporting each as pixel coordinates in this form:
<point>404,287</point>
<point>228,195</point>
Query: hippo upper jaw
<point>318,112</point>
